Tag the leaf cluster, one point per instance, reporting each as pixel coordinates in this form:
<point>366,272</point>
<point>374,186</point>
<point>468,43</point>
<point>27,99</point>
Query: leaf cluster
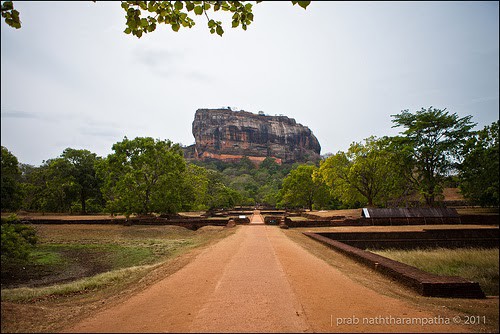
<point>10,15</point>
<point>143,16</point>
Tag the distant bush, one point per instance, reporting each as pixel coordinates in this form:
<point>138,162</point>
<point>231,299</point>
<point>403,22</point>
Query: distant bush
<point>17,241</point>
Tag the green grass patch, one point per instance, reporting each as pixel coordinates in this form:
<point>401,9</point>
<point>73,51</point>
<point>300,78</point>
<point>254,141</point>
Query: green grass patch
<point>479,265</point>
<point>45,257</point>
<point>113,255</point>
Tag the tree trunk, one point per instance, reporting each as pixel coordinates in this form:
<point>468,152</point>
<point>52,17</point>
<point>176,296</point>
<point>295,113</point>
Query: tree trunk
<point>82,199</point>
<point>429,198</point>
<point>146,202</point>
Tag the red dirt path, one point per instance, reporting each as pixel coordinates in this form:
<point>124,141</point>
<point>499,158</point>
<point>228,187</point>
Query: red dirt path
<point>258,280</point>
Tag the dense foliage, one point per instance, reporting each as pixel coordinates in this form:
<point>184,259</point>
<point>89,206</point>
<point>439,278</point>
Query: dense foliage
<point>10,176</point>
<point>301,189</point>
<point>207,189</point>
<point>250,183</point>
<point>67,183</point>
<point>17,241</point>
<point>479,177</point>
<point>364,175</point>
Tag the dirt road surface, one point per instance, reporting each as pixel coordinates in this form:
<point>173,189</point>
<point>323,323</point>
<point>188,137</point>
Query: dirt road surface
<point>258,280</point>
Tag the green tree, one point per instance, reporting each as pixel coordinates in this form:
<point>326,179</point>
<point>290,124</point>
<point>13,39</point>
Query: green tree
<point>335,172</point>
<point>400,182</point>
<point>81,171</point>
<point>31,184</point>
<point>196,187</point>
<point>143,16</point>
<point>267,194</point>
<point>206,189</point>
<point>246,186</point>
<point>270,165</point>
<point>269,178</point>
<point>433,139</point>
<point>479,172</point>
<point>64,184</point>
<point>219,195</point>
<point>300,189</point>
<point>364,174</point>
<point>10,177</point>
<point>251,183</point>
<point>60,190</point>
<point>143,175</point>
<point>245,165</point>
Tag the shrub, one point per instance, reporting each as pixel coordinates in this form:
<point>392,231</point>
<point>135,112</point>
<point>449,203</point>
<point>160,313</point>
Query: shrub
<point>17,241</point>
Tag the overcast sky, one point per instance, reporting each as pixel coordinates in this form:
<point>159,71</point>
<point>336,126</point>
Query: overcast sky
<point>72,78</point>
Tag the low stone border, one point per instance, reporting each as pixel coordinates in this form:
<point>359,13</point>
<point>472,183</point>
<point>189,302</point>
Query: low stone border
<point>427,238</point>
<point>336,221</point>
<point>238,220</point>
<point>480,219</point>
<point>192,224</point>
<point>307,223</point>
<point>424,283</point>
<point>315,217</point>
<point>272,220</point>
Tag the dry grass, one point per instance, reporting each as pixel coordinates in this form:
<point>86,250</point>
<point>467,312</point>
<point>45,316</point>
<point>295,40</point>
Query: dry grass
<point>196,214</point>
<point>101,233</point>
<point>477,211</point>
<point>478,265</point>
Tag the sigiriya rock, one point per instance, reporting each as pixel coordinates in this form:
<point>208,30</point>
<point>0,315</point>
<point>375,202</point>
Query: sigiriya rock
<point>224,134</point>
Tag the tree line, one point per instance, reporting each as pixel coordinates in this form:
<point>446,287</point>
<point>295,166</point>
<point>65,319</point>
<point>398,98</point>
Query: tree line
<point>434,149</point>
<point>147,175</point>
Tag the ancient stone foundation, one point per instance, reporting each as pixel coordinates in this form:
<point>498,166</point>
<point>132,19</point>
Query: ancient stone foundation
<point>426,284</point>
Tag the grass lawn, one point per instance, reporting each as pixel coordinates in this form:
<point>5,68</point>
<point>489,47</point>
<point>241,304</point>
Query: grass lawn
<point>479,265</point>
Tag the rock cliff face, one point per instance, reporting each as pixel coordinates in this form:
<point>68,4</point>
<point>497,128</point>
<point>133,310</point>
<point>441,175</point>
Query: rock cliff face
<point>230,135</point>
